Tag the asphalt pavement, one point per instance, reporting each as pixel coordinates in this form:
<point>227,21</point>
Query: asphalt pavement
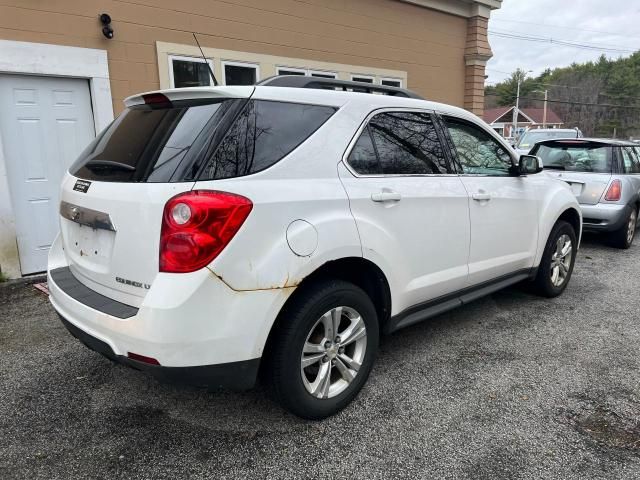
<point>510,387</point>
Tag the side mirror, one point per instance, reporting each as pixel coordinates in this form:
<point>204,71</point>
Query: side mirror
<point>529,164</point>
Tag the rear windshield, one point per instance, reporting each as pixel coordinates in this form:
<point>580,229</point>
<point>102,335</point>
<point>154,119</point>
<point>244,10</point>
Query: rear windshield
<point>531,137</point>
<point>191,140</point>
<point>576,158</point>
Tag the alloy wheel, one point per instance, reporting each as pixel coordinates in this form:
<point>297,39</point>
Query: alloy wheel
<point>561,260</point>
<point>333,352</point>
<point>631,226</point>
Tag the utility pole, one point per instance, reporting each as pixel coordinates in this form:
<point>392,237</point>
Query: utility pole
<point>521,76</point>
<point>544,110</point>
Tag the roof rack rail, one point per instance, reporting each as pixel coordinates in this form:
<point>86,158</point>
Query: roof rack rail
<point>299,81</point>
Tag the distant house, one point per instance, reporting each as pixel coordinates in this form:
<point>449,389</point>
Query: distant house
<point>501,119</point>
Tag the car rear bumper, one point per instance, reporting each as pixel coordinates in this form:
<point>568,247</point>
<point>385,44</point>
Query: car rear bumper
<point>604,217</point>
<point>193,325</point>
<point>234,375</point>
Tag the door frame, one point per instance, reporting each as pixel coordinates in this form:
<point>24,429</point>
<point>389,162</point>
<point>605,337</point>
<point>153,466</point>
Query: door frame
<point>43,59</point>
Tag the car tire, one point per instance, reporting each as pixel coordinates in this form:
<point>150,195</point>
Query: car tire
<point>623,237</point>
<point>558,259</point>
<point>306,335</point>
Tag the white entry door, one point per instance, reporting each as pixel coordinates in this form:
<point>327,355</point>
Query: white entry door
<point>45,122</point>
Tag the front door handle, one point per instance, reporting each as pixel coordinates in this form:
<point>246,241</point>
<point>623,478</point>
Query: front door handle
<point>480,196</point>
<point>386,196</point>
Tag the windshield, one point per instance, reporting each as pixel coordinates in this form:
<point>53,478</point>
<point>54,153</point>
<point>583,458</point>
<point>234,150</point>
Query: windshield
<point>532,136</point>
<point>576,158</point>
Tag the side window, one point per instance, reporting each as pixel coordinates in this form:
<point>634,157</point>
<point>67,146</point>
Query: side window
<point>478,152</point>
<point>407,143</point>
<point>363,158</point>
<point>630,159</point>
<point>262,134</point>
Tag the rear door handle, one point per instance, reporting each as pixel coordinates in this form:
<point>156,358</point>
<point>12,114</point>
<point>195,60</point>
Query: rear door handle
<point>386,196</point>
<point>480,196</point>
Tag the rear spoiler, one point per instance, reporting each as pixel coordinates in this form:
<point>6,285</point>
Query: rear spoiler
<point>192,93</point>
<point>573,141</point>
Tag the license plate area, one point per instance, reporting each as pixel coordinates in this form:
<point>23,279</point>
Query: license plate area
<point>89,248</point>
<point>576,188</point>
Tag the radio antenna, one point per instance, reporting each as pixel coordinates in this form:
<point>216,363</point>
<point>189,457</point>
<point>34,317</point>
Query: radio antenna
<point>215,82</point>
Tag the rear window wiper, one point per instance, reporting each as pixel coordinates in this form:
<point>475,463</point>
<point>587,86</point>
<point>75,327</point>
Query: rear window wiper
<point>109,165</point>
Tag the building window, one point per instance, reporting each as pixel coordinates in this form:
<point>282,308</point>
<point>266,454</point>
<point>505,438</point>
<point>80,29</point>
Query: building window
<point>291,71</point>
<point>362,78</point>
<point>189,72</point>
<point>323,74</point>
<point>391,82</point>
<point>306,72</point>
<point>240,73</point>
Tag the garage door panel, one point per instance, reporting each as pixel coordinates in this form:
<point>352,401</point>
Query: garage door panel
<point>45,122</point>
<point>33,162</point>
<point>25,96</point>
<point>62,98</point>
<point>40,212</point>
<point>67,139</point>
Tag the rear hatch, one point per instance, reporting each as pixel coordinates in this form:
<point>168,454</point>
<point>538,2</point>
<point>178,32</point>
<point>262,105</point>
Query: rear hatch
<point>586,165</point>
<point>113,200</point>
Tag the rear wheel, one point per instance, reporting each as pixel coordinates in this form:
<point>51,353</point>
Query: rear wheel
<point>623,237</point>
<point>557,261</point>
<point>323,349</point>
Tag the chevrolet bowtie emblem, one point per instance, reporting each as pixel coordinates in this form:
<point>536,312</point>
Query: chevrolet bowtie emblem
<point>74,212</point>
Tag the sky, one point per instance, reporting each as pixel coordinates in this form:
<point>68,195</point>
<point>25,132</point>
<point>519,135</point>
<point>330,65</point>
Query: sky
<point>613,24</point>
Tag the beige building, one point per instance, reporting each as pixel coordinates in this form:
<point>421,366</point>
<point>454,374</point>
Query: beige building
<point>62,79</point>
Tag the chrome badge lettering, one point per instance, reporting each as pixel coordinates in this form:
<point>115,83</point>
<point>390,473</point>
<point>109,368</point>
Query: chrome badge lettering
<point>146,286</point>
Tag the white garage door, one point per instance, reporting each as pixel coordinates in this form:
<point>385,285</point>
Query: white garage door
<point>45,122</point>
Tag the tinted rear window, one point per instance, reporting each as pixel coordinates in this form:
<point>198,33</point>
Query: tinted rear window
<point>262,134</point>
<point>576,158</point>
<point>187,141</point>
<point>148,143</point>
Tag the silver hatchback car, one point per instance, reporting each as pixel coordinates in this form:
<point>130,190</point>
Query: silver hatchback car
<point>604,176</point>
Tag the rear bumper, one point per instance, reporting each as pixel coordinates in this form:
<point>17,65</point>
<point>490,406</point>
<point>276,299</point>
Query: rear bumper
<point>193,324</point>
<point>604,217</point>
<point>235,375</point>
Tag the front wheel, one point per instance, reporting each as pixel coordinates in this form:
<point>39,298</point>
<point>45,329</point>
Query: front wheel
<point>557,261</point>
<point>323,349</point>
<point>623,237</point>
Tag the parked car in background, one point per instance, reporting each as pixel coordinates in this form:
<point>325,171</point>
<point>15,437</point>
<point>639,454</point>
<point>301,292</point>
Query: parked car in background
<point>605,177</point>
<point>212,233</point>
<point>531,137</point>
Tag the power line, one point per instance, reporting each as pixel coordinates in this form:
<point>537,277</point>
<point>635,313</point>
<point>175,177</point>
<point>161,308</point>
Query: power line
<point>606,105</point>
<point>511,32</point>
<point>547,85</point>
<point>565,43</point>
<point>563,27</point>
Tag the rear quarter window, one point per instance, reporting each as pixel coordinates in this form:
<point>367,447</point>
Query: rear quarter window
<point>262,134</point>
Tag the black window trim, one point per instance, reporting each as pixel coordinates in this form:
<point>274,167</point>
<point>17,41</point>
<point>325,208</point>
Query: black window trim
<point>365,124</point>
<point>443,116</point>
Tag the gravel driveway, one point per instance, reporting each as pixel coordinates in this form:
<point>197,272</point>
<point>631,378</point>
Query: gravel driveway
<point>511,386</point>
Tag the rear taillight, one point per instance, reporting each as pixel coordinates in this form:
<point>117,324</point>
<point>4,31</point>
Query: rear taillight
<point>197,226</point>
<point>614,192</point>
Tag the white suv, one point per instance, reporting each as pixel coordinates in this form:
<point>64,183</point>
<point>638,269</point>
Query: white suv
<point>211,234</point>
